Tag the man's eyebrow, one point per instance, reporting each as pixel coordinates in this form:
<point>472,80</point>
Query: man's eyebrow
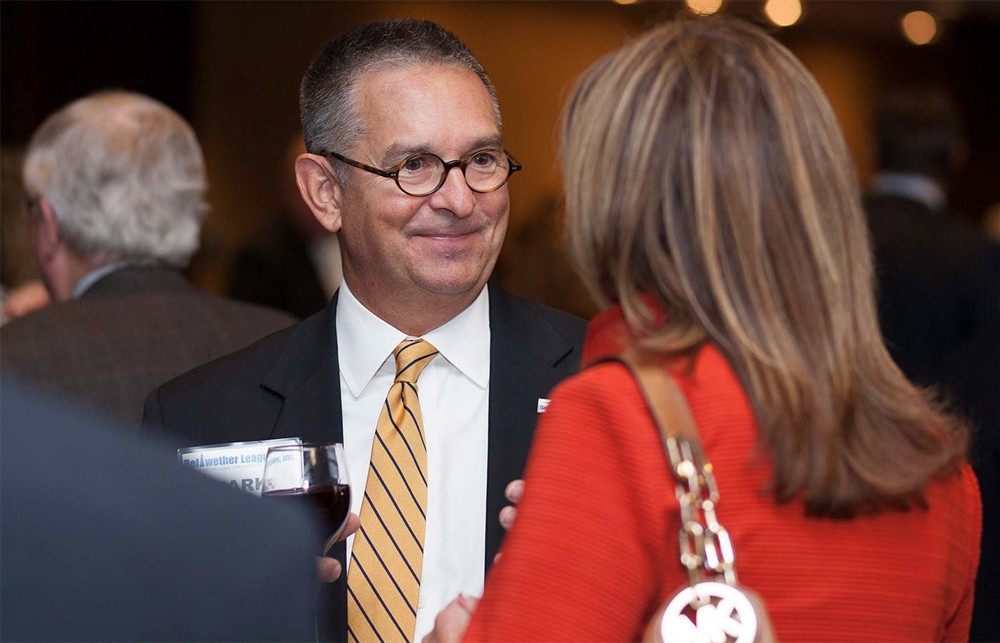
<point>488,141</point>
<point>399,151</point>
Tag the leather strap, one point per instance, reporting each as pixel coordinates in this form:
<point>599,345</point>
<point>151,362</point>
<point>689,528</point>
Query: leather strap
<point>663,397</point>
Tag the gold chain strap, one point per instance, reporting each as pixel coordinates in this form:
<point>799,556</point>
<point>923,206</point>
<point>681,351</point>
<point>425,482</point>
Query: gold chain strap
<point>712,607</point>
<point>704,542</point>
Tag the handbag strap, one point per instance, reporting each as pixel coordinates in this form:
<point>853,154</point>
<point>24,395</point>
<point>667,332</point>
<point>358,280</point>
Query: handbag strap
<point>705,545</point>
<point>665,401</point>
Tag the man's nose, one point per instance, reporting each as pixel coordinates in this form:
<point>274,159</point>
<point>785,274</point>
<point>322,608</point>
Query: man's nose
<point>455,194</point>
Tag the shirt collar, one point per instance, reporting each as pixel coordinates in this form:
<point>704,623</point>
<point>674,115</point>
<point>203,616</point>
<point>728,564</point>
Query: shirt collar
<point>365,341</point>
<point>95,275</point>
<point>910,185</point>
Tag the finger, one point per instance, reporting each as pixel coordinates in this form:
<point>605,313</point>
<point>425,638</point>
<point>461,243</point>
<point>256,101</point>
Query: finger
<point>353,523</point>
<point>514,491</point>
<point>507,516</point>
<point>327,569</point>
<point>468,603</point>
<point>451,622</point>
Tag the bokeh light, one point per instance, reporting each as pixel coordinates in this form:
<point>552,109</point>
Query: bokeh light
<point>919,27</point>
<point>704,7</point>
<point>783,13</point>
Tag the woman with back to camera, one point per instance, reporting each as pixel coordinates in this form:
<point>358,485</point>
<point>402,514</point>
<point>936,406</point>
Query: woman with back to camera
<point>712,204</point>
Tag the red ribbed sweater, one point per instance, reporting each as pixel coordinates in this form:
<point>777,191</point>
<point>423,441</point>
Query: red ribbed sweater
<point>594,550</point>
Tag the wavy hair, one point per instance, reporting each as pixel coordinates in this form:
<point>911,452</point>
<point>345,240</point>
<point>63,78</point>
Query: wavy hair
<point>125,176</point>
<point>705,168</point>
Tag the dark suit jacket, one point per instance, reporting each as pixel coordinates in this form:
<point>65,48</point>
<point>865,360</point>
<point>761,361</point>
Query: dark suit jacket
<point>288,385</point>
<point>938,283</point>
<point>276,271</point>
<point>130,332</point>
<point>939,307</point>
<point>974,377</point>
<point>108,538</point>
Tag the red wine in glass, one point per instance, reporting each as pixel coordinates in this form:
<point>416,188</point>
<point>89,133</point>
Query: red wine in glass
<point>313,476</point>
<point>329,504</point>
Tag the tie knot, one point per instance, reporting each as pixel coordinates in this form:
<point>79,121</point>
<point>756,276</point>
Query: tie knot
<point>412,355</point>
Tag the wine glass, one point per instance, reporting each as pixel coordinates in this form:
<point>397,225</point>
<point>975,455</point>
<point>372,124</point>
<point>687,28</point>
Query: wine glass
<point>314,476</point>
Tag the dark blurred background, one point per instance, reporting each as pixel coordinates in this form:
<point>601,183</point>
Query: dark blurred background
<point>233,68</point>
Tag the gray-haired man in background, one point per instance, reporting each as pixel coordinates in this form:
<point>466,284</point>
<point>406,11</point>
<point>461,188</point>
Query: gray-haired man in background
<point>116,189</point>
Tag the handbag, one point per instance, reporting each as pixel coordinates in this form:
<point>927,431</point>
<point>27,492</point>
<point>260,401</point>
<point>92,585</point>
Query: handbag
<point>712,607</point>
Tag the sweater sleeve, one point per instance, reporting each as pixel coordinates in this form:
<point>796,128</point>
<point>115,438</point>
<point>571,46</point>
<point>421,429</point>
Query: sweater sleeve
<point>584,560</point>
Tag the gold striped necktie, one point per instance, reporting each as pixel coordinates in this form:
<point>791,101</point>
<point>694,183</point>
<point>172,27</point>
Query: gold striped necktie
<point>384,578</point>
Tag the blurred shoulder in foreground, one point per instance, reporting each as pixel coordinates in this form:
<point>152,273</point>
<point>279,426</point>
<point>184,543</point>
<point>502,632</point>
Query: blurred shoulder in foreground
<point>106,538</point>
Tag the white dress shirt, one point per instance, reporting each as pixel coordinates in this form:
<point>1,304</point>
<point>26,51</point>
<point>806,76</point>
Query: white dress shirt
<point>454,404</point>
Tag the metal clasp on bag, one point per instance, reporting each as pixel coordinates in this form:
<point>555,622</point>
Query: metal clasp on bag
<point>710,610</point>
<point>721,613</point>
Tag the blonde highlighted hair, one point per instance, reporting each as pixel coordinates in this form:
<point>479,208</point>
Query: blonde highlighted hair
<point>705,168</point>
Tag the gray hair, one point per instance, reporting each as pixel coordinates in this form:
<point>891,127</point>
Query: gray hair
<point>125,176</point>
<point>327,96</point>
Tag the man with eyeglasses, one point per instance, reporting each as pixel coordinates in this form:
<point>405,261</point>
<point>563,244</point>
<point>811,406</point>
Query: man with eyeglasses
<point>406,163</point>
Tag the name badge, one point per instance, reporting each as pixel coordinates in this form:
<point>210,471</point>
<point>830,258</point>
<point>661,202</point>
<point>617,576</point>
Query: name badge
<point>542,405</point>
<point>239,464</point>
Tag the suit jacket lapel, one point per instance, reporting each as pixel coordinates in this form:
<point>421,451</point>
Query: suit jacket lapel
<point>307,377</point>
<point>524,351</point>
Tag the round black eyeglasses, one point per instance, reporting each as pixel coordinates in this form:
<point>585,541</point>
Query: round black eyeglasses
<point>423,174</point>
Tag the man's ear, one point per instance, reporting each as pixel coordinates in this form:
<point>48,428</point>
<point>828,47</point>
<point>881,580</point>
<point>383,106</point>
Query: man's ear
<point>319,189</point>
<point>47,235</point>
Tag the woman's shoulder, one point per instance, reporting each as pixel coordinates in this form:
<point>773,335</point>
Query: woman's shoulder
<point>956,498</point>
<point>607,385</point>
<point>705,377</point>
<point>608,381</point>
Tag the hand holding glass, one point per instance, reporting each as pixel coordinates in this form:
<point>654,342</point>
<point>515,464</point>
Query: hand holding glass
<point>315,476</point>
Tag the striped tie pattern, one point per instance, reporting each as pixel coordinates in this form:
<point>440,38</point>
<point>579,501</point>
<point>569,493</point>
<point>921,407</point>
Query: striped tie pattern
<point>384,578</point>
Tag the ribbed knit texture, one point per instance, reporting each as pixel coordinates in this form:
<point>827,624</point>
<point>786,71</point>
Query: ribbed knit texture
<point>594,550</point>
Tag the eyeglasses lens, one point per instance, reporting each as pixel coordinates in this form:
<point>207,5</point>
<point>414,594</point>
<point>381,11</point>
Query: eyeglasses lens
<point>487,170</point>
<point>484,171</point>
<point>420,174</point>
